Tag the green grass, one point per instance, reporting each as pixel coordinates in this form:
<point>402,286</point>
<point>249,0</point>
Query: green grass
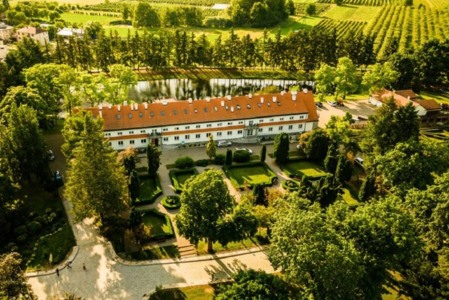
<point>56,246</point>
<point>349,197</point>
<point>348,12</point>
<point>82,19</point>
<point>308,168</point>
<point>442,97</point>
<point>250,174</point>
<point>158,223</point>
<point>156,253</point>
<point>197,292</point>
<point>258,240</point>
<point>179,177</point>
<point>150,189</point>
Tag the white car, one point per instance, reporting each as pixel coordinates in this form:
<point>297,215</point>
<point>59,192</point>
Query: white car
<point>224,143</point>
<point>332,103</point>
<point>358,160</point>
<point>244,149</point>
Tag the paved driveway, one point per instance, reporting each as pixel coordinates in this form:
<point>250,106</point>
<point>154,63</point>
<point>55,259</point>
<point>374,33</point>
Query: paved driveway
<point>356,108</point>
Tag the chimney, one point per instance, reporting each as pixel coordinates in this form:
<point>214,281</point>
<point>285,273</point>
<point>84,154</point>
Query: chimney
<point>136,106</point>
<point>282,93</point>
<point>164,102</point>
<point>125,103</point>
<point>100,107</point>
<point>232,108</point>
<point>305,91</point>
<point>250,96</point>
<point>261,99</point>
<point>222,103</point>
<point>275,98</point>
<point>294,95</point>
<point>229,97</point>
<point>118,107</point>
<point>207,99</point>
<point>190,100</point>
<point>110,106</point>
<point>145,105</point>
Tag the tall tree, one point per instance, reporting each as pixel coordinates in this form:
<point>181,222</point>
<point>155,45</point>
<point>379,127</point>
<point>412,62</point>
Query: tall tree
<point>263,153</point>
<point>20,95</point>
<point>134,185</point>
<point>205,203</point>
<point>154,159</point>
<point>211,148</point>
<point>345,77</point>
<point>317,145</point>
<point>96,183</point>
<point>128,158</point>
<point>281,148</point>
<point>117,88</point>
<point>380,76</point>
<point>324,80</point>
<point>13,284</point>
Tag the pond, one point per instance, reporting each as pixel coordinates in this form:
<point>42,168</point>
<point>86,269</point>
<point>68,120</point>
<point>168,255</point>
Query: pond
<point>183,89</point>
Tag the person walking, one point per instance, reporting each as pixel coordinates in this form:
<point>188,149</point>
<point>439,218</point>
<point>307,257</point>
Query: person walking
<point>84,267</point>
<point>57,272</point>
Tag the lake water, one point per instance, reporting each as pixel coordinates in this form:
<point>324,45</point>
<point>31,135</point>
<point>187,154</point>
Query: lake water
<point>183,89</point>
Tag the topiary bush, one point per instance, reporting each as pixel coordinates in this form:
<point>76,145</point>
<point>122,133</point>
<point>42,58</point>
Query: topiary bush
<point>184,162</point>
<point>241,156</point>
<point>171,202</point>
<point>220,159</point>
<point>202,163</point>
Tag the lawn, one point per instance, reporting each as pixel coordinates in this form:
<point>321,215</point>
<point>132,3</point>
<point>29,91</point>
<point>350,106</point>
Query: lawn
<point>156,253</point>
<point>179,178</point>
<point>442,97</point>
<point>302,168</point>
<point>84,18</point>
<point>150,189</point>
<point>250,174</point>
<point>54,247</point>
<point>197,292</point>
<point>349,197</point>
<point>160,224</point>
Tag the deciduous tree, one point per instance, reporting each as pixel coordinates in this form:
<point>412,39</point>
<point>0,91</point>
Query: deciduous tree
<point>281,148</point>
<point>211,148</point>
<point>13,284</point>
<point>380,76</point>
<point>345,77</point>
<point>154,159</point>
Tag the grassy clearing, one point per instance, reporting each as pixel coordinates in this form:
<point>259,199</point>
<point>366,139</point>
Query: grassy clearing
<point>83,19</point>
<point>349,197</point>
<point>442,97</point>
<point>150,189</point>
<point>308,168</point>
<point>242,175</point>
<point>157,222</point>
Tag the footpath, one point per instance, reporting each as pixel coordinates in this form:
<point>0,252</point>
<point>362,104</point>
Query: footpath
<point>96,272</point>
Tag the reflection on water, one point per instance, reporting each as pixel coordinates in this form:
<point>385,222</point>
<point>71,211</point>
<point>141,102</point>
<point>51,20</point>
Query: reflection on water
<point>200,88</point>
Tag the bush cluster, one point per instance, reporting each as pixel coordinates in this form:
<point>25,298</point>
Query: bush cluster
<point>184,162</point>
<point>241,156</point>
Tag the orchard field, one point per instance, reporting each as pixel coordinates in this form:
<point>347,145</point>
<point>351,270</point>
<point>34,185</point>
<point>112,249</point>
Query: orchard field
<point>395,26</point>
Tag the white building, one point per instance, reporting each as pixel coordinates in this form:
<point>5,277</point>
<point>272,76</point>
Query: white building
<point>4,49</point>
<point>68,32</point>
<point>172,122</point>
<point>6,32</point>
<point>34,33</point>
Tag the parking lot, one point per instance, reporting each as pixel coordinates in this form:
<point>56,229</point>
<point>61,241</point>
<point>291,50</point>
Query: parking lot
<point>356,108</point>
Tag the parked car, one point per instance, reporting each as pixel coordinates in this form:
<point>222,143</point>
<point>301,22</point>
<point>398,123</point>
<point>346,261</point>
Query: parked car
<point>244,149</point>
<point>340,103</point>
<point>332,103</point>
<point>224,143</point>
<point>358,160</point>
<point>58,178</point>
<point>50,155</point>
<point>319,104</point>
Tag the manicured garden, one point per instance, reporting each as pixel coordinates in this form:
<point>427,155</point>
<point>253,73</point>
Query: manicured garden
<point>171,202</point>
<point>348,196</point>
<point>179,178</point>
<point>249,174</point>
<point>159,224</point>
<point>150,189</point>
<point>303,169</point>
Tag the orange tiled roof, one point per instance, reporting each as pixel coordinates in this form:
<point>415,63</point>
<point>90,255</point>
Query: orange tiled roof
<point>201,111</point>
<point>408,94</point>
<point>399,98</point>
<point>30,30</point>
<point>429,104</point>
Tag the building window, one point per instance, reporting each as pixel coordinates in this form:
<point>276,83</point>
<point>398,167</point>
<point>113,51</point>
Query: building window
<point>198,136</point>
<point>165,139</point>
<point>131,132</point>
<point>120,143</point>
<point>270,129</point>
<point>187,127</point>
<point>229,132</point>
<point>260,129</point>
<point>119,133</point>
<point>218,133</point>
<point>143,141</point>
<point>208,134</point>
<point>271,120</point>
<point>301,117</point>
<point>110,143</point>
<point>209,125</point>
<point>281,127</point>
<point>281,119</point>
<point>290,127</point>
<point>219,124</point>
<point>142,131</point>
<point>291,118</point>
<point>107,134</point>
<point>240,122</point>
<point>240,132</point>
<point>229,123</point>
<point>176,138</point>
<point>176,128</point>
<point>261,121</point>
<point>187,137</point>
<point>131,142</point>
<point>198,126</point>
<point>164,129</point>
<point>300,126</point>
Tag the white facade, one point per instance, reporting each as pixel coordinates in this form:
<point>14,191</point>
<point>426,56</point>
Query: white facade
<point>4,49</point>
<point>6,31</point>
<point>34,33</point>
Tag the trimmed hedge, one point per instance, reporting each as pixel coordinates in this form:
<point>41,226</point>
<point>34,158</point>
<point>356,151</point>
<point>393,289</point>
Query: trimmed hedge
<point>291,185</point>
<point>153,195</point>
<point>161,236</point>
<point>171,202</point>
<point>202,163</point>
<point>179,186</point>
<point>271,176</point>
<point>184,162</point>
<point>241,156</point>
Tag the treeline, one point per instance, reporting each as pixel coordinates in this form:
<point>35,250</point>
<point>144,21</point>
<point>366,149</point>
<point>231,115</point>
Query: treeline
<point>301,50</point>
